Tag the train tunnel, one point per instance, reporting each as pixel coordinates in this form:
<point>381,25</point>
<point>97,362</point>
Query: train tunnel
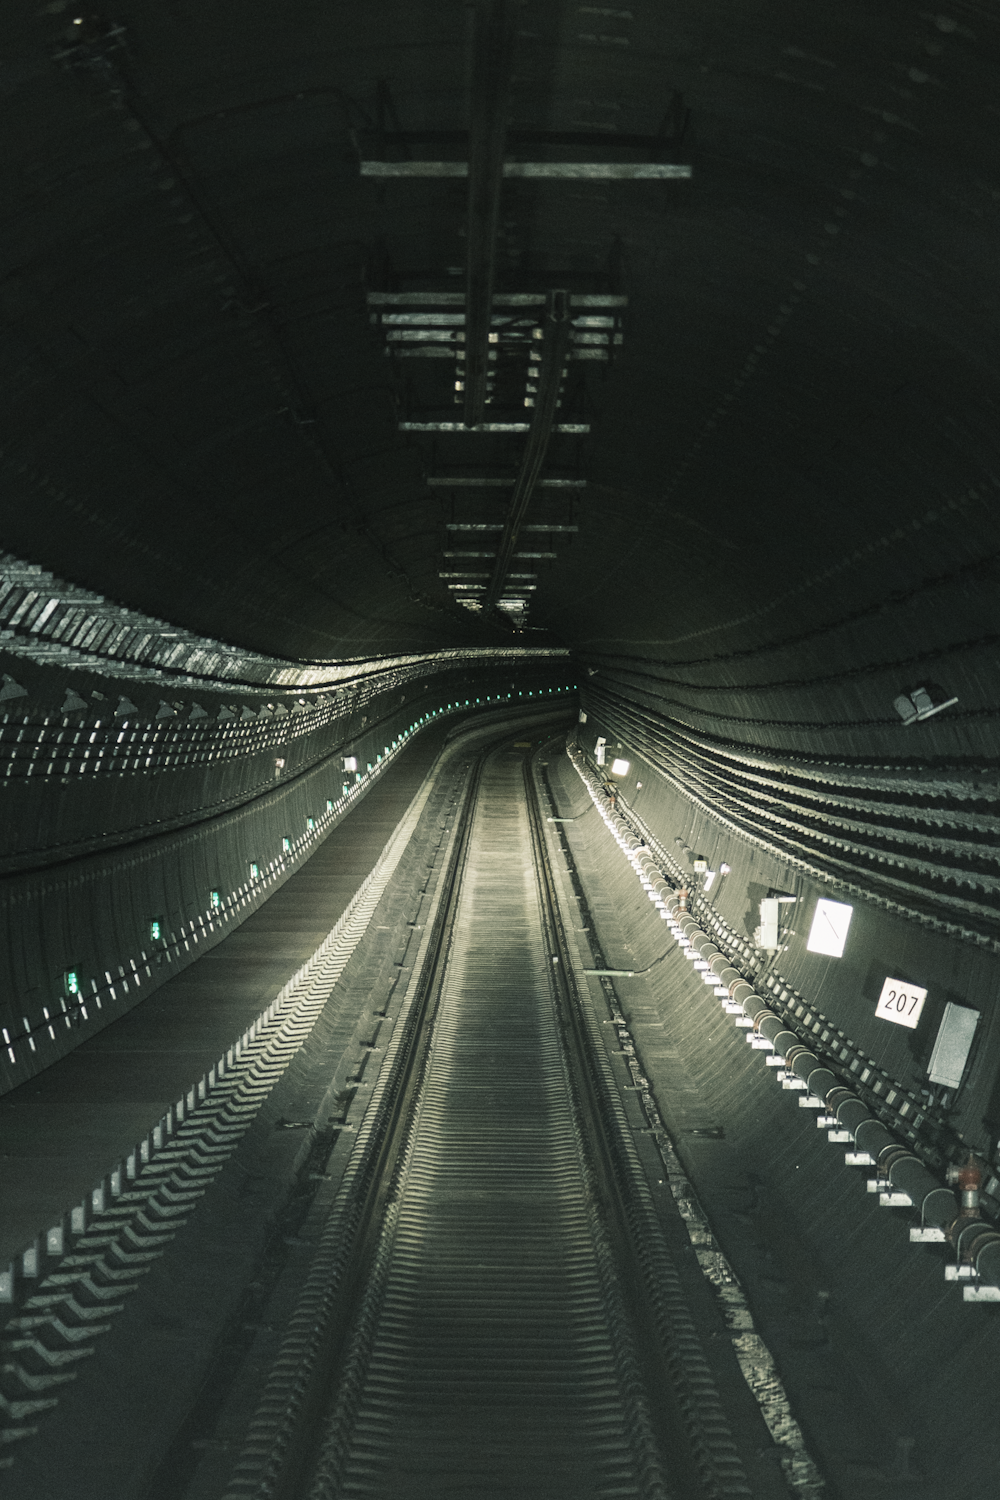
<point>498,751</point>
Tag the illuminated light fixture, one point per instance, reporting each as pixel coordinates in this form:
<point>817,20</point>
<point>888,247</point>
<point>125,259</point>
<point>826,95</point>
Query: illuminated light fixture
<point>345,789</point>
<point>215,900</point>
<point>919,704</point>
<point>350,762</point>
<point>329,804</point>
<point>620,767</point>
<point>830,923</point>
<point>254,871</point>
<point>310,824</point>
<point>630,171</point>
<point>286,845</point>
<point>71,982</point>
<point>155,930</point>
<point>600,750</point>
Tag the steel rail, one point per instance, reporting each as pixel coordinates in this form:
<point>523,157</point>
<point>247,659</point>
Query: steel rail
<point>282,1439</point>
<point>692,1429</point>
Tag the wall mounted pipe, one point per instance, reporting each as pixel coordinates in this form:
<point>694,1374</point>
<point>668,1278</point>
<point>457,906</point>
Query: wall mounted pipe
<point>851,1112</point>
<point>754,1005</point>
<point>820,1082</point>
<point>986,1257</point>
<point>871,1135</point>
<point>976,1242</point>
<point>897,1165</point>
<point>773,1027</point>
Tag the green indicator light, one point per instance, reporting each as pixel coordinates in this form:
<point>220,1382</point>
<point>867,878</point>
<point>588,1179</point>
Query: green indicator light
<point>369,765</point>
<point>254,872</point>
<point>357,774</point>
<point>286,844</point>
<point>329,804</point>
<point>310,824</point>
<point>215,900</point>
<point>155,930</point>
<point>72,981</point>
<point>345,789</point>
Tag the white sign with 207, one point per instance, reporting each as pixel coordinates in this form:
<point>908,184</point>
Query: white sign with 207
<point>901,1002</point>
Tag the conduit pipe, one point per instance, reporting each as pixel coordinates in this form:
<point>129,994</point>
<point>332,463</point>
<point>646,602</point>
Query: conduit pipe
<point>976,1243</point>
<point>896,1165</point>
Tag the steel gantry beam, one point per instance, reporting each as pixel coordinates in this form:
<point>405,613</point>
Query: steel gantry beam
<point>555,346</point>
<point>493,49</point>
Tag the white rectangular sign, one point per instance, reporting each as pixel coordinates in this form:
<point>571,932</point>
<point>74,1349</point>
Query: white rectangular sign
<point>900,1002</point>
<point>828,933</point>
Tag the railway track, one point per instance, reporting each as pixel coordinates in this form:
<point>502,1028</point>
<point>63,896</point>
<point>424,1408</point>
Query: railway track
<point>493,1310</point>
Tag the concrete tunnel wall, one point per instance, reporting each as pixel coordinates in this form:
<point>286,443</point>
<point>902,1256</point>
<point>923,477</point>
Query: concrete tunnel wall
<point>90,913</point>
<point>831,1277</point>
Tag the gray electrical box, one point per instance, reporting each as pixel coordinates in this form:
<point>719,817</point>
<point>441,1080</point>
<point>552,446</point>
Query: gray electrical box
<point>766,935</point>
<point>951,1049</point>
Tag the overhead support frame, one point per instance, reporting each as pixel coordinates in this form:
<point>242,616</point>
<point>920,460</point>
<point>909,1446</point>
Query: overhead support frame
<point>555,347</point>
<point>492,59</point>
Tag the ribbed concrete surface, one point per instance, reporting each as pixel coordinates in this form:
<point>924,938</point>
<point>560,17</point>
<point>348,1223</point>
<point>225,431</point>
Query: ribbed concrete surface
<point>63,1130</point>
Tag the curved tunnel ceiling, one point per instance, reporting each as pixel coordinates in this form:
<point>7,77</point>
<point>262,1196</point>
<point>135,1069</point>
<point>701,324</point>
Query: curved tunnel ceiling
<point>789,463</point>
